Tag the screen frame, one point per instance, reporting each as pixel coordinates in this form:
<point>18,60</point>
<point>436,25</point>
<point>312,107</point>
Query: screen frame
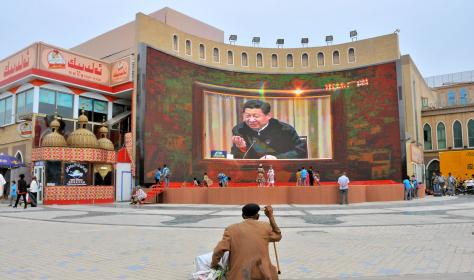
<point>337,128</point>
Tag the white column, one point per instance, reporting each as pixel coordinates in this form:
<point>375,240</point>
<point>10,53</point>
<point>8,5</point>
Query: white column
<point>36,98</point>
<point>109,110</point>
<point>13,116</point>
<point>76,107</point>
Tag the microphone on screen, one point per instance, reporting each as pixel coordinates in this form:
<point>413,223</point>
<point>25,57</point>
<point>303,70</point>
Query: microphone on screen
<point>253,143</point>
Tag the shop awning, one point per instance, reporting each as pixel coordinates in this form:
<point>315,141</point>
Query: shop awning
<point>7,161</point>
<point>118,118</point>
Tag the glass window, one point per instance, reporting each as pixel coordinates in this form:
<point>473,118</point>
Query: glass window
<point>259,60</point>
<point>424,102</point>
<point>335,57</point>
<point>215,55</point>
<point>274,60</point>
<point>202,51</point>
<point>304,60</point>
<point>427,137</point>
<point>95,110</point>
<point>24,103</point>
<point>289,60</point>
<point>53,173</point>
<point>320,59</point>
<point>351,55</point>
<point>188,47</point>
<point>6,111</point>
<point>230,57</point>
<point>451,98</point>
<point>245,60</point>
<point>463,96</point>
<point>175,42</point>
<point>441,135</point>
<point>119,108</point>
<point>457,133</point>
<point>470,132</point>
<point>51,102</point>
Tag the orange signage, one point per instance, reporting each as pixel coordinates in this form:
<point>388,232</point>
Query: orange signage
<point>121,71</point>
<point>73,65</point>
<point>20,62</point>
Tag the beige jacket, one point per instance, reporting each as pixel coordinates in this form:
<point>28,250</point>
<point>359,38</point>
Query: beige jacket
<point>247,243</point>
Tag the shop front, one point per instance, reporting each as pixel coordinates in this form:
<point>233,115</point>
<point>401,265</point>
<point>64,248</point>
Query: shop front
<point>77,171</point>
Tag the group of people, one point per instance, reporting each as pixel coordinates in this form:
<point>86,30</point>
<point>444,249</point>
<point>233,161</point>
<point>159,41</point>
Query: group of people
<point>270,179</point>
<point>411,187</point>
<point>20,190</point>
<point>206,181</point>
<point>447,185</point>
<point>162,176</point>
<point>307,177</point>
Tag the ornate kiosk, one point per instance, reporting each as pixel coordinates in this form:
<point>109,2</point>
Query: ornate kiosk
<point>79,170</point>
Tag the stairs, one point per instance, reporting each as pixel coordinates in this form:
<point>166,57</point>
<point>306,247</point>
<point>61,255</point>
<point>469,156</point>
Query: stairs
<point>153,194</point>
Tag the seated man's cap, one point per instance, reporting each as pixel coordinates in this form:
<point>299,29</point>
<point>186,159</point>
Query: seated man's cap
<point>250,209</point>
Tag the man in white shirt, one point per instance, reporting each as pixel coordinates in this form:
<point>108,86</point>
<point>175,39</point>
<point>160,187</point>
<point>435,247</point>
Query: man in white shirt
<point>34,188</point>
<point>343,182</point>
<point>2,185</point>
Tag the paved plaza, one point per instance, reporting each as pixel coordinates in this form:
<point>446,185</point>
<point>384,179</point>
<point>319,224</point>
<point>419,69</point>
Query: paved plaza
<point>430,238</point>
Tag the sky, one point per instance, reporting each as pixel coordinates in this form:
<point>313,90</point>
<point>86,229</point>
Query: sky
<point>437,34</point>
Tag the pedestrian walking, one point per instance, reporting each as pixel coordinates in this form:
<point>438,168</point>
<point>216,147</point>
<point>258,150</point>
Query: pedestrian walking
<point>166,172</point>
<point>271,177</point>
<point>13,193</point>
<point>22,189</point>
<point>3,182</point>
<point>33,191</point>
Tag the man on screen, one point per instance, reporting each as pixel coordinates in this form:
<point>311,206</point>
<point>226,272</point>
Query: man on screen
<point>260,136</point>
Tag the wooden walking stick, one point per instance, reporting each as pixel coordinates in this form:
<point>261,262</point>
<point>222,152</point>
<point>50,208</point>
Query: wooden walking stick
<point>276,256</point>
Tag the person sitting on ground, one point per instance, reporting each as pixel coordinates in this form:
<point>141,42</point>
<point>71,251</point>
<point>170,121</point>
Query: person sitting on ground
<point>247,243</point>
<point>196,182</point>
<point>138,197</point>
<point>206,181</point>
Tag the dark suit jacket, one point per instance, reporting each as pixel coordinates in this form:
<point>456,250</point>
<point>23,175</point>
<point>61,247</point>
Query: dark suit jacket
<point>277,139</point>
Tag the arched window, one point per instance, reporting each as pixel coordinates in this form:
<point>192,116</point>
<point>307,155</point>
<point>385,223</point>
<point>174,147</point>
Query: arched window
<point>245,60</point>
<point>202,51</point>
<point>289,60</point>
<point>320,59</point>
<point>274,60</point>
<point>441,136</point>
<point>19,156</point>
<point>188,47</point>
<point>215,55</point>
<point>175,43</point>
<point>304,60</point>
<point>335,57</point>
<point>351,55</point>
<point>427,137</point>
<point>470,132</point>
<point>230,57</point>
<point>259,60</point>
<point>457,134</point>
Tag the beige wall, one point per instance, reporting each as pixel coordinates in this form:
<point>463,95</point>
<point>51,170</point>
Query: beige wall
<point>367,52</point>
<point>448,117</point>
<point>414,88</point>
<point>120,42</point>
<point>11,142</point>
<point>442,93</point>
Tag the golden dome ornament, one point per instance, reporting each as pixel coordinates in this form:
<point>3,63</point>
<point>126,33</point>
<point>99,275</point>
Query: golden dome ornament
<point>54,138</point>
<point>104,142</point>
<point>82,137</point>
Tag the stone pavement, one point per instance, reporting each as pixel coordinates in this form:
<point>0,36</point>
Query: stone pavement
<point>431,238</point>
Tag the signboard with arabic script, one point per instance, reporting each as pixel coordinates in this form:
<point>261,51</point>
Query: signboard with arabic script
<point>121,71</point>
<point>18,63</point>
<point>76,66</point>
